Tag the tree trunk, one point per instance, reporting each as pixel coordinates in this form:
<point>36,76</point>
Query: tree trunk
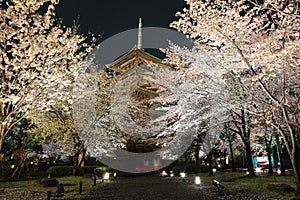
<point>210,162</point>
<point>232,157</point>
<point>281,160</point>
<point>197,154</point>
<point>296,169</point>
<point>1,164</point>
<point>270,160</point>
<point>249,159</point>
<point>1,143</point>
<point>79,162</point>
<point>2,131</point>
<point>269,152</point>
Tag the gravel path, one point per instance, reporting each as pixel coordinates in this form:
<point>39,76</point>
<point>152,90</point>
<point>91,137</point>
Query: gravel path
<point>165,188</point>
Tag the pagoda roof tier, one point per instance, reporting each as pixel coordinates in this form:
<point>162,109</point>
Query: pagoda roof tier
<point>131,59</point>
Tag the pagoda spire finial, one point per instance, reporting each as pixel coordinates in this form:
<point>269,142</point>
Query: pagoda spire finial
<point>139,44</point>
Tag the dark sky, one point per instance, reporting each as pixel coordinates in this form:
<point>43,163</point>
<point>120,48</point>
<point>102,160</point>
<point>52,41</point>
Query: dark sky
<point>113,16</point>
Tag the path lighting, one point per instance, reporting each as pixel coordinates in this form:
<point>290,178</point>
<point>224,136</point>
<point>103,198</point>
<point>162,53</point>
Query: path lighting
<point>258,170</point>
<point>197,180</point>
<point>247,173</point>
<point>183,175</point>
<point>106,176</point>
<point>164,173</point>
<point>171,173</point>
<point>227,160</point>
<point>279,171</point>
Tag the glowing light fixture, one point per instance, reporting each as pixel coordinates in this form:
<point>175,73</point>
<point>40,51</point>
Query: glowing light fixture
<point>182,175</point>
<point>106,176</point>
<point>164,173</point>
<point>171,173</point>
<point>197,180</point>
<point>258,170</point>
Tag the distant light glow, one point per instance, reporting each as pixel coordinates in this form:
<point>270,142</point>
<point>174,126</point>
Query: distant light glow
<point>279,171</point>
<point>247,173</point>
<point>115,174</point>
<point>214,170</point>
<point>12,166</point>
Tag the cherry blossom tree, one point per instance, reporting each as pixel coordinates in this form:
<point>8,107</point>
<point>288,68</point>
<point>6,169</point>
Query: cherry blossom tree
<point>258,40</point>
<point>39,58</point>
<point>176,102</point>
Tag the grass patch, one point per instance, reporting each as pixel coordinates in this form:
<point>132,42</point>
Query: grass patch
<point>258,183</point>
<point>27,188</point>
<point>71,185</point>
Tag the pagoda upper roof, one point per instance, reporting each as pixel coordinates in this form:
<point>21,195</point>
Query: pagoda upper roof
<point>131,59</point>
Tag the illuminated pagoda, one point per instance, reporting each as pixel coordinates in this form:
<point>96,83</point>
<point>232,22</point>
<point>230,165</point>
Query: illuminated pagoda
<point>140,61</point>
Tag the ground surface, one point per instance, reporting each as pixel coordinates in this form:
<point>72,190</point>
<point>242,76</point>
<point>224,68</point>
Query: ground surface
<point>165,188</point>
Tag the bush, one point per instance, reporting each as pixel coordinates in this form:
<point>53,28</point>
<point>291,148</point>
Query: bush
<point>87,170</point>
<point>99,171</point>
<point>190,169</point>
<point>58,171</point>
<point>48,182</point>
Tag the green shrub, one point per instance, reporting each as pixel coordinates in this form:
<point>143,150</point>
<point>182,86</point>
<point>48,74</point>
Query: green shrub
<point>48,182</point>
<point>99,171</point>
<point>190,169</point>
<point>59,171</point>
<point>87,170</point>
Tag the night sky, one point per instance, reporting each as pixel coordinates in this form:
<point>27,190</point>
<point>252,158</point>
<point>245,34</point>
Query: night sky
<point>113,16</point>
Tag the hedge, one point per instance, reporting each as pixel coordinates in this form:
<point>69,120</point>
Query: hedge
<point>99,171</point>
<point>58,171</point>
<point>87,170</point>
<point>190,169</point>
